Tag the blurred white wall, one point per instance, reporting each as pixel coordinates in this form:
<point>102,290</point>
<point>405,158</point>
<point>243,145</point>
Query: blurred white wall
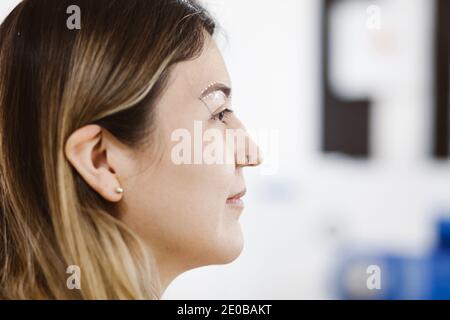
<point>6,6</point>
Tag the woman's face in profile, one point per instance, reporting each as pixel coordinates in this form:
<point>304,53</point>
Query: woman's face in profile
<point>131,142</point>
<point>189,213</point>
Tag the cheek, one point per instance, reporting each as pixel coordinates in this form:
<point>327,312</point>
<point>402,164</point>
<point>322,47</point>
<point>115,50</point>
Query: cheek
<point>182,209</point>
<point>198,194</point>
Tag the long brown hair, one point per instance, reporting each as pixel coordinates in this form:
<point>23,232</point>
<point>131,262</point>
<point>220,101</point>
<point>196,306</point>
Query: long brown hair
<point>53,81</point>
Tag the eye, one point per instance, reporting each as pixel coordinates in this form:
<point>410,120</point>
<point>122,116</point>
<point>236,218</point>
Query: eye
<point>221,116</point>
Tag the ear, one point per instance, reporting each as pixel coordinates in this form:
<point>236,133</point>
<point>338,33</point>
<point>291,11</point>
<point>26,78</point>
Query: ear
<point>87,150</point>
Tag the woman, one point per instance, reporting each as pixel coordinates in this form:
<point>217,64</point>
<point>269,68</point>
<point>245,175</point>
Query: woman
<point>88,177</point>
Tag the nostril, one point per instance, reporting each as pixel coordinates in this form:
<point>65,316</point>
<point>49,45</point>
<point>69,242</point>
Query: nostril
<point>254,162</point>
<point>256,159</point>
<point>260,157</point>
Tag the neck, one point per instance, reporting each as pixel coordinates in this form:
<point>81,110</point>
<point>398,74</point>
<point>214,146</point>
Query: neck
<point>168,270</point>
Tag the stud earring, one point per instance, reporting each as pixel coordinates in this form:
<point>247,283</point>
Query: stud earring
<point>119,190</point>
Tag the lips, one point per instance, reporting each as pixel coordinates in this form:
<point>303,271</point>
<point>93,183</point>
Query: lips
<point>238,195</point>
<point>236,200</point>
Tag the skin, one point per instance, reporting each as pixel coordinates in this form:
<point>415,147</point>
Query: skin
<point>182,212</point>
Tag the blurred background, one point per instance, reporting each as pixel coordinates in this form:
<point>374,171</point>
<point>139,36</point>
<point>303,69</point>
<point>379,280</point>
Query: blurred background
<point>356,188</point>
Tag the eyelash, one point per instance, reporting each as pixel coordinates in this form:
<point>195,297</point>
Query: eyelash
<point>222,115</point>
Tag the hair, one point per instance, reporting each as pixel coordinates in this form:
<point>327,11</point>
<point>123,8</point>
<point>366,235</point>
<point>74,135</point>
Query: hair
<point>53,81</point>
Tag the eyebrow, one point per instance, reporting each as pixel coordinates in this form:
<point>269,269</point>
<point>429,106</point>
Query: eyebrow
<point>216,86</point>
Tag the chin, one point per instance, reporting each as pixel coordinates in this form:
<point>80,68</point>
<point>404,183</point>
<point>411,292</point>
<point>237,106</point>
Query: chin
<point>226,247</point>
<point>231,249</point>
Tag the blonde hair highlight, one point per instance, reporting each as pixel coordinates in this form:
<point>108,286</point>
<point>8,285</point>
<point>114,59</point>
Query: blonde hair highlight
<point>50,220</point>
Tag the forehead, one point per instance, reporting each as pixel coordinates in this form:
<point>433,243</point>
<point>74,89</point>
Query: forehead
<point>195,75</point>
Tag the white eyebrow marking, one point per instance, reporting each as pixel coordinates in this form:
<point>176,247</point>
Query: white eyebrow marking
<point>208,87</point>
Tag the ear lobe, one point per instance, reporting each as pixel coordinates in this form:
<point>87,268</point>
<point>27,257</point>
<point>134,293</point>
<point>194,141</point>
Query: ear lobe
<point>86,151</point>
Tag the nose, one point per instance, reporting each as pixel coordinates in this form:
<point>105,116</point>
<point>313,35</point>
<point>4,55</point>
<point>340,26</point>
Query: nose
<point>253,154</point>
<point>247,154</point>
